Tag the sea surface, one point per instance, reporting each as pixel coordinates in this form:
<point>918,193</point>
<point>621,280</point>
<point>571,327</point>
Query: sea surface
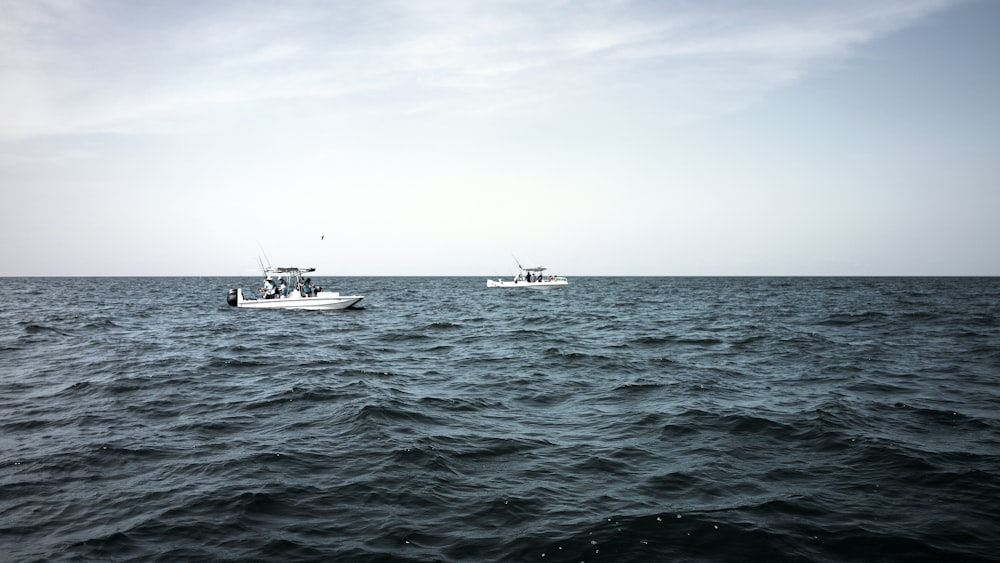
<point>618,419</point>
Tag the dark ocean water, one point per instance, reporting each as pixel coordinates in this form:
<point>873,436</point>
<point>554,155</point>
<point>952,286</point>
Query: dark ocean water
<point>620,419</point>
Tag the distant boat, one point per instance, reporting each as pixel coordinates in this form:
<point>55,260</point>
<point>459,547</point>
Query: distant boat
<point>290,289</point>
<point>530,278</point>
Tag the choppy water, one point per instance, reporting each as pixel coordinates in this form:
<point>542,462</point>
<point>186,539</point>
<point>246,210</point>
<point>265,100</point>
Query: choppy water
<point>621,419</point>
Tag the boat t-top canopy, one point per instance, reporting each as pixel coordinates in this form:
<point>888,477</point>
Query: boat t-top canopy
<point>290,271</point>
<point>536,268</point>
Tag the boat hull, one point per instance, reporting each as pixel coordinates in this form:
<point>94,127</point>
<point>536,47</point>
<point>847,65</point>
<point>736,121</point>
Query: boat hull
<point>541,285</point>
<point>326,301</point>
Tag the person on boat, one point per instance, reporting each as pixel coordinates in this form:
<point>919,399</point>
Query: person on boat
<point>269,288</point>
<point>282,287</point>
<point>307,288</point>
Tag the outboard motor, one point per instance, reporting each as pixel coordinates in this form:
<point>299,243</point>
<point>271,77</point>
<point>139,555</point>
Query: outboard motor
<point>233,297</point>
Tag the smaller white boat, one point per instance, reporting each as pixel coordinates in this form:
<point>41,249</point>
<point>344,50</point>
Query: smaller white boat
<point>530,278</point>
<point>288,288</point>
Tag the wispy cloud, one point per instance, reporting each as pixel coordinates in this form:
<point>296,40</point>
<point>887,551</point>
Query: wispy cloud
<point>86,67</point>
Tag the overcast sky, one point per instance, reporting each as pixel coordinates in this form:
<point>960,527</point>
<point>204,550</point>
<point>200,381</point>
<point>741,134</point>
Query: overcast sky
<point>442,137</point>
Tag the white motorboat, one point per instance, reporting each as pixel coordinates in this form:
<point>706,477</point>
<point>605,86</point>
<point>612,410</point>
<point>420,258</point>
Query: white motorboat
<point>288,288</point>
<point>530,278</point>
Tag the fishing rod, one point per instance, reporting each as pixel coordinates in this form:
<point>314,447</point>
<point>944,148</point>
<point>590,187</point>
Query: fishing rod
<point>517,262</point>
<point>261,262</point>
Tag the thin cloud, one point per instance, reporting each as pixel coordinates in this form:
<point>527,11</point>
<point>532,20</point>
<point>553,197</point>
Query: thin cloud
<point>107,67</point>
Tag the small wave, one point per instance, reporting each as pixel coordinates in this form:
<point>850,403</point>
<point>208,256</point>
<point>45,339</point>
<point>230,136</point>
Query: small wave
<point>439,326</point>
<point>460,404</point>
<point>656,341</point>
<point>853,319</point>
<point>405,337</point>
<point>32,329</point>
<point>375,415</point>
<point>640,388</point>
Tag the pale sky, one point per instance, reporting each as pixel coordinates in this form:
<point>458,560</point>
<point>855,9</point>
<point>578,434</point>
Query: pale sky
<point>407,137</point>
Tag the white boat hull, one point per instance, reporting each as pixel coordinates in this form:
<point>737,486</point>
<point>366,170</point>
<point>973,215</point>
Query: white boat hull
<point>325,301</point>
<point>542,285</point>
